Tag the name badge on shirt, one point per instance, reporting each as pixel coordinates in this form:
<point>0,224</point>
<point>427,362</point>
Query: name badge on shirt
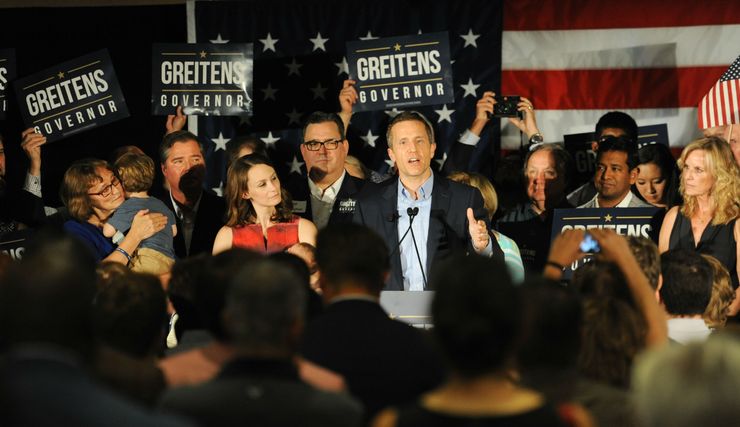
<point>347,206</point>
<point>299,206</point>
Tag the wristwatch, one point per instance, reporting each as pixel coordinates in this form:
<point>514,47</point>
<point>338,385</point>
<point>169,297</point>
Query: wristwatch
<point>536,139</point>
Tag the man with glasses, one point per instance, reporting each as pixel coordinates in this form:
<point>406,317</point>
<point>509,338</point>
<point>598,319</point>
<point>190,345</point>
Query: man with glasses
<point>328,195</point>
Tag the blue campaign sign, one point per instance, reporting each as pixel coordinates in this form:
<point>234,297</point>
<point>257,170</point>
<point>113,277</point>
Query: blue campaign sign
<point>406,71</point>
<point>644,222</point>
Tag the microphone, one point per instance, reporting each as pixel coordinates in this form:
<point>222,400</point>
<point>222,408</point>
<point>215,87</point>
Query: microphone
<point>412,212</point>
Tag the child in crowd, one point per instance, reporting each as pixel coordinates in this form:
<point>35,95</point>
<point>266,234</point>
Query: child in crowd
<point>156,254</point>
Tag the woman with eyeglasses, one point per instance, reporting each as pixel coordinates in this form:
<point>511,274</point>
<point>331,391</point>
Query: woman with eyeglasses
<point>259,213</point>
<point>91,193</point>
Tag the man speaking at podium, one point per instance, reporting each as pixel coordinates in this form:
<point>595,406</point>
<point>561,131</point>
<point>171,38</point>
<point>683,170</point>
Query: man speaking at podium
<point>423,217</point>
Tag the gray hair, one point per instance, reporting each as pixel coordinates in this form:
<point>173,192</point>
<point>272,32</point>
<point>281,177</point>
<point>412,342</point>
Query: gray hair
<point>689,385</point>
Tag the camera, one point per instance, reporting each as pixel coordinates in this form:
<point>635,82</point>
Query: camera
<point>589,245</point>
<point>506,106</point>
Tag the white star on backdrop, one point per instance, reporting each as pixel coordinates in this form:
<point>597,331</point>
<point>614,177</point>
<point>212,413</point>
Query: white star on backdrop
<point>269,92</point>
<point>470,88</point>
<point>369,138</point>
<point>245,120</point>
<point>369,36</point>
<point>294,117</point>
<point>220,142</point>
<point>218,40</point>
<point>444,114</point>
<point>219,190</point>
<point>392,113</point>
<point>295,165</point>
<point>441,162</point>
<point>389,162</point>
<point>319,91</point>
<point>269,43</point>
<point>343,66</point>
<point>319,42</point>
<point>419,32</point>
<point>470,38</point>
<point>270,140</point>
<point>294,68</point>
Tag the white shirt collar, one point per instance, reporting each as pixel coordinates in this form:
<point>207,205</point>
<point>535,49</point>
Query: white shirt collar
<point>176,207</point>
<point>625,203</point>
<point>330,193</point>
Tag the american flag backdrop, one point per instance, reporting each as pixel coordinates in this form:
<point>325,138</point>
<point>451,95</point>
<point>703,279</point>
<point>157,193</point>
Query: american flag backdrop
<point>575,59</point>
<point>300,64</point>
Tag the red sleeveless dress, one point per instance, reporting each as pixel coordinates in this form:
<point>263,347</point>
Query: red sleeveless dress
<point>280,236</point>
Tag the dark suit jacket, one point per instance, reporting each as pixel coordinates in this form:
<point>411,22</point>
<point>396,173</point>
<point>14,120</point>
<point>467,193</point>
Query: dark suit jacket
<point>53,392</point>
<point>384,362</point>
<point>448,222</point>
<point>251,392</point>
<point>208,220</point>
<point>343,208</point>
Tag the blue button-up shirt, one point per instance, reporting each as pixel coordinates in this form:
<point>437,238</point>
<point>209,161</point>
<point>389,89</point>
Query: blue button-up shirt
<point>410,266</point>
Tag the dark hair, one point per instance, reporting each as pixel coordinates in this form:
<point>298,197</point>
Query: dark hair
<point>647,256</point>
<point>181,292</point>
<point>238,142</point>
<point>318,117</point>
<point>477,314</point>
<point>612,143</point>
<point>613,328</point>
<point>47,296</point>
<point>130,314</point>
<point>352,253</point>
<point>563,160</point>
<point>660,155</point>
<point>213,283</point>
<point>172,138</point>
<point>239,211</point>
<point>413,116</point>
<point>263,306</point>
<point>314,304</point>
<point>687,282</point>
<point>617,120</point>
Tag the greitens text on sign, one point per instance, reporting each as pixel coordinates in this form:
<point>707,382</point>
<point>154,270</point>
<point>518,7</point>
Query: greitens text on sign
<point>401,71</point>
<point>202,78</point>
<point>72,97</point>
<point>7,74</point>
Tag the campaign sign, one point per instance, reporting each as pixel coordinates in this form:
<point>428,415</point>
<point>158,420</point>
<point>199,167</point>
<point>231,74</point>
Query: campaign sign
<point>14,243</point>
<point>7,74</point>
<point>579,146</point>
<point>624,221</point>
<point>401,71</point>
<point>202,78</point>
<point>72,97</point>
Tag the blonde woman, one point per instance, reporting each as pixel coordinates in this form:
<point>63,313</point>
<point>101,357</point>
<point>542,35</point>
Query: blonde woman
<point>707,220</point>
<point>512,257</point>
<point>259,216</point>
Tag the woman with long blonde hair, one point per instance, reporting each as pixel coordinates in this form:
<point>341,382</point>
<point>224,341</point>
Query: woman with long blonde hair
<point>707,220</point>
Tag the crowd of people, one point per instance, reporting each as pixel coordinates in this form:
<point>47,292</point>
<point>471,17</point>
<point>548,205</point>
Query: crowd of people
<point>174,306</point>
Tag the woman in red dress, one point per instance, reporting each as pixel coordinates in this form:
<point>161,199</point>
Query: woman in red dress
<point>259,216</point>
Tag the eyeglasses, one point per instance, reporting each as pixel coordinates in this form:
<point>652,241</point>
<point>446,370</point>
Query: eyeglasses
<point>330,144</point>
<point>106,191</point>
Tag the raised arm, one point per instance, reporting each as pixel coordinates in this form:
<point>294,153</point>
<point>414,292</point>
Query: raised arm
<point>347,99</point>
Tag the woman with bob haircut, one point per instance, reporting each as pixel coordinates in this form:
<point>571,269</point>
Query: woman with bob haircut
<point>259,213</point>
<point>707,220</point>
<point>91,192</point>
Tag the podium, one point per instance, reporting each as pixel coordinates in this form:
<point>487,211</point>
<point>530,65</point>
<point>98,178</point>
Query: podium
<point>412,307</point>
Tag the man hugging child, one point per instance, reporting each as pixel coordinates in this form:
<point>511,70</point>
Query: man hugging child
<point>155,254</point>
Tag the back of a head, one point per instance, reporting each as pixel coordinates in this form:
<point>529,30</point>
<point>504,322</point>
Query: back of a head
<point>265,309</point>
<point>136,172</point>
<point>692,385</point>
<point>235,145</point>
<point>617,120</point>
<point>477,314</point>
<point>613,328</point>
<point>715,316</point>
<point>213,283</point>
<point>351,254</point>
<point>47,297</point>
<point>647,255</point>
<point>687,282</point>
<point>130,314</point>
